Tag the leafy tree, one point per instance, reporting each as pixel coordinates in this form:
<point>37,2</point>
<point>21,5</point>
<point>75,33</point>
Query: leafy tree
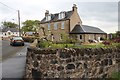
<point>30,25</point>
<point>9,24</point>
<point>118,34</point>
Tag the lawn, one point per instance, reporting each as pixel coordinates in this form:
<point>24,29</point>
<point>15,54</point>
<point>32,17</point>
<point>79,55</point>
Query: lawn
<point>48,44</point>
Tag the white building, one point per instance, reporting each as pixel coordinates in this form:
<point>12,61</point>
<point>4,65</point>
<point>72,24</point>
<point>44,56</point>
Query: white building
<point>8,32</point>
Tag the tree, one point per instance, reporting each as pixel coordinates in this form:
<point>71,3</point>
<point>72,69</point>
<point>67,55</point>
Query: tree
<point>9,24</point>
<point>30,25</point>
<point>118,34</point>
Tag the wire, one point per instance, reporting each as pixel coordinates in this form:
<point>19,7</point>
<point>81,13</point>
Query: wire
<point>8,6</point>
<point>8,16</point>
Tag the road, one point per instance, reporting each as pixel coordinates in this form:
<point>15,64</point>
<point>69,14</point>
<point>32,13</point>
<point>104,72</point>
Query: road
<point>8,50</point>
<point>13,60</point>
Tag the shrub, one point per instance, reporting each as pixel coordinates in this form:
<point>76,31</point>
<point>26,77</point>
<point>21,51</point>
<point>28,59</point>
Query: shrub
<point>44,44</point>
<point>118,45</point>
<point>116,40</point>
<point>106,42</point>
<point>29,39</point>
<point>116,75</point>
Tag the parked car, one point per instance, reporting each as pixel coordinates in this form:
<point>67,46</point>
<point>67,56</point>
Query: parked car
<point>16,41</point>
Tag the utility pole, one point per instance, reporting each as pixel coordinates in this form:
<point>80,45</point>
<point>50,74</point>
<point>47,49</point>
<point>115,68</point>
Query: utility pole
<point>19,22</point>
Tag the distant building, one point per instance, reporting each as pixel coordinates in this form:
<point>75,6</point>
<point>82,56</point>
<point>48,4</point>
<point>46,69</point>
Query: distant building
<point>69,22</point>
<point>29,33</point>
<point>8,32</point>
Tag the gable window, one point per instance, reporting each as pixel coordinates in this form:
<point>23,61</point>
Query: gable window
<point>48,17</point>
<point>62,25</point>
<point>80,36</point>
<point>61,15</point>
<point>55,26</point>
<point>48,26</point>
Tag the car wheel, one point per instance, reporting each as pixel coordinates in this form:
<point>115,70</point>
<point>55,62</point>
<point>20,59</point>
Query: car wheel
<point>22,44</point>
<point>10,44</point>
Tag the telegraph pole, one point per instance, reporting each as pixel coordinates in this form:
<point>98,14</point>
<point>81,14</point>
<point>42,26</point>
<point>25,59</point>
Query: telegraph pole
<point>19,22</point>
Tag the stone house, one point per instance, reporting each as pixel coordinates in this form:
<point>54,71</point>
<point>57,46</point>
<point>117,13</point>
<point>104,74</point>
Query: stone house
<point>68,22</point>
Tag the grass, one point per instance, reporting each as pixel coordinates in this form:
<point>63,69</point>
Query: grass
<point>47,44</point>
<point>116,75</point>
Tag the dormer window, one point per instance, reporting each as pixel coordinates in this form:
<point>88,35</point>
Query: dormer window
<point>61,15</point>
<point>48,17</point>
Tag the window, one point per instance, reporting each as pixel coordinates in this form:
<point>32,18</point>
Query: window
<point>55,26</point>
<point>48,26</point>
<point>80,36</point>
<point>61,15</point>
<point>9,33</point>
<point>48,17</point>
<point>62,25</point>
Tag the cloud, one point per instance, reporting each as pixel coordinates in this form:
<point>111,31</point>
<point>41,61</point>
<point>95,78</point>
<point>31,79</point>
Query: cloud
<point>101,14</point>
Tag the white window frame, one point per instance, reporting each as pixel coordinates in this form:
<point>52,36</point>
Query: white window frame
<point>61,15</point>
<point>63,25</point>
<point>48,26</point>
<point>55,26</point>
<point>48,17</point>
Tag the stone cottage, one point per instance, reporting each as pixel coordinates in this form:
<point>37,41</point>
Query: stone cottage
<point>68,22</point>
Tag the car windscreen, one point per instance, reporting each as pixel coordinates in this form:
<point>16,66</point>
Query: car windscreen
<point>17,38</point>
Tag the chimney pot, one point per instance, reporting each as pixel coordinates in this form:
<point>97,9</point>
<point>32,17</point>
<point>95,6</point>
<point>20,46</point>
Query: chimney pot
<point>46,13</point>
<point>74,7</point>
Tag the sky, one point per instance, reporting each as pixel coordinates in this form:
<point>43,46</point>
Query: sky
<point>102,14</point>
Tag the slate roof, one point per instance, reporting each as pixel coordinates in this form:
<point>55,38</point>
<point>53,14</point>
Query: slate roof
<point>86,29</point>
<point>10,29</point>
<point>55,17</point>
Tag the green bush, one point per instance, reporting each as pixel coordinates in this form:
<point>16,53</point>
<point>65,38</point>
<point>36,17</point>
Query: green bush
<point>44,44</point>
<point>118,45</point>
<point>29,39</point>
<point>116,75</point>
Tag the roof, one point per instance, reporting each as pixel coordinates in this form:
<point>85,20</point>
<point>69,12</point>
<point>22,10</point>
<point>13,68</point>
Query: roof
<point>10,29</point>
<point>29,33</point>
<point>86,29</point>
<point>55,17</point>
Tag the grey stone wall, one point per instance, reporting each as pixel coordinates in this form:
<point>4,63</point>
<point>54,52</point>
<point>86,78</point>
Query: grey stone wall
<point>72,63</point>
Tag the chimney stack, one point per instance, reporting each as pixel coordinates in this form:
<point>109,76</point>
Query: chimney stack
<point>46,13</point>
<point>74,8</point>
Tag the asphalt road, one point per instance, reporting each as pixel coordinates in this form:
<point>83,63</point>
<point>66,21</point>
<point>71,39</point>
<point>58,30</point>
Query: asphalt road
<point>8,50</point>
<point>13,60</point>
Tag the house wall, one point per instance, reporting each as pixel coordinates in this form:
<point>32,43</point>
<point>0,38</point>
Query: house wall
<point>94,37</point>
<point>83,37</point>
<point>9,33</point>
<point>56,33</point>
<point>86,37</point>
<point>74,19</point>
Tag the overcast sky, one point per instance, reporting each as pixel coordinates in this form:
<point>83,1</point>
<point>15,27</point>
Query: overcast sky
<point>103,14</point>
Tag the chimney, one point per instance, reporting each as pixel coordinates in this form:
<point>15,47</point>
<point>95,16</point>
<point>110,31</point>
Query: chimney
<point>46,13</point>
<point>74,8</point>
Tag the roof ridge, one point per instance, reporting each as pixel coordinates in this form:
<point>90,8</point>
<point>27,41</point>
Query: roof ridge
<point>61,11</point>
<point>82,28</point>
